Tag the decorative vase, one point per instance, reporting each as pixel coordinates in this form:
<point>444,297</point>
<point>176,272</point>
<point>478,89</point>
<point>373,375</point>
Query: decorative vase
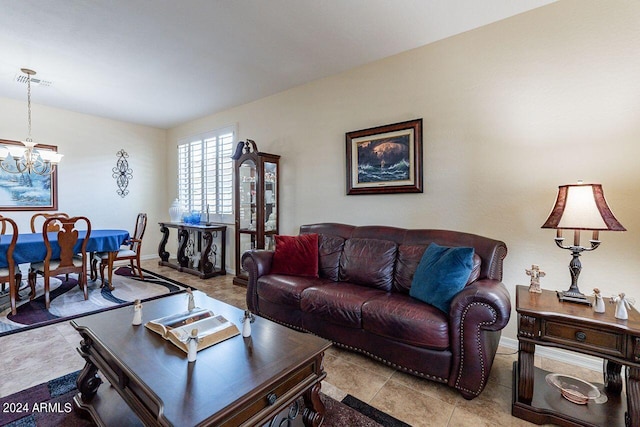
<point>175,212</point>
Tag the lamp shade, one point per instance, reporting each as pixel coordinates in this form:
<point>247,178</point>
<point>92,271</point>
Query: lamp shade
<point>582,207</point>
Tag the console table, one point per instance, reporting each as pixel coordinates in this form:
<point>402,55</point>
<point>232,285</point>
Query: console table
<point>543,320</point>
<point>197,251</point>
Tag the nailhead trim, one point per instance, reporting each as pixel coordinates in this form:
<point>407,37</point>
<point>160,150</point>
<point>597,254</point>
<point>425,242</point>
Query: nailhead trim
<point>373,356</point>
<point>482,367</point>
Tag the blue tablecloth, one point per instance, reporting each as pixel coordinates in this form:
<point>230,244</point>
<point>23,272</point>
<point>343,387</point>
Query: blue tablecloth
<point>30,247</point>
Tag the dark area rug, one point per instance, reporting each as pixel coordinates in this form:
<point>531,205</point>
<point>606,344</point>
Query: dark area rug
<point>67,299</point>
<point>51,405</point>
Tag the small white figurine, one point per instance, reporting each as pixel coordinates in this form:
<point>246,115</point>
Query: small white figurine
<point>622,305</point>
<point>137,313</point>
<point>535,274</point>
<point>247,320</point>
<point>192,303</point>
<point>192,346</point>
<point>598,303</point>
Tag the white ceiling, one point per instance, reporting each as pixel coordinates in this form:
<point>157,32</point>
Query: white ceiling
<point>164,62</point>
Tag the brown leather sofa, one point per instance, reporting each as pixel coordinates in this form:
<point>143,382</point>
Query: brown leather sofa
<point>361,301</point>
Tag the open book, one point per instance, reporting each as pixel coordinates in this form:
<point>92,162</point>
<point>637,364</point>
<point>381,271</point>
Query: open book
<point>177,328</point>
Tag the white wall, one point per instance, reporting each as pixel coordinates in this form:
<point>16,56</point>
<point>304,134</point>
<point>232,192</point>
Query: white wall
<point>85,182</point>
<point>510,110</point>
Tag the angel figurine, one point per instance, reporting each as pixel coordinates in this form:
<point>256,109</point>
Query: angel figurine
<point>192,346</point>
<point>137,313</point>
<point>598,303</point>
<point>247,320</point>
<point>623,303</point>
<point>192,303</point>
<point>535,274</point>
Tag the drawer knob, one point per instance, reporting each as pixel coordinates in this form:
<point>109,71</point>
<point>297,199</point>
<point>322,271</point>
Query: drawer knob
<point>271,398</point>
<point>581,336</point>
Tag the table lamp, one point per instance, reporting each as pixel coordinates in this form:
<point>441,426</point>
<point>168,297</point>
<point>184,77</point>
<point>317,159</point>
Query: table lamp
<point>580,207</point>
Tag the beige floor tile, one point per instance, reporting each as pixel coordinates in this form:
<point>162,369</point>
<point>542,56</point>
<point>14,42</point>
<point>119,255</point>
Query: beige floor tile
<point>353,379</point>
<point>412,407</point>
<point>431,388</point>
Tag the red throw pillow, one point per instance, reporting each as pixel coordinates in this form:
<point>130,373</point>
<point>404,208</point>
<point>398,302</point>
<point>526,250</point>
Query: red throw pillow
<point>296,255</point>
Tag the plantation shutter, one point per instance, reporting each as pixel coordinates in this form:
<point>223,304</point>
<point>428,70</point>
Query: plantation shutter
<point>205,174</point>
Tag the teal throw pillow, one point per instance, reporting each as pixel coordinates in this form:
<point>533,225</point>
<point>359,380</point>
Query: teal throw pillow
<point>441,274</point>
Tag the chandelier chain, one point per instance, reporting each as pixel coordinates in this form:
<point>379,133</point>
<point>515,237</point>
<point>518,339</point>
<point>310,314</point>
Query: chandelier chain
<point>29,102</point>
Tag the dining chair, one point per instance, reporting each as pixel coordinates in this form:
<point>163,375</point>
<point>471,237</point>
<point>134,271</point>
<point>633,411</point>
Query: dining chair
<point>130,251</point>
<point>64,259</point>
<point>42,216</point>
<point>11,272</point>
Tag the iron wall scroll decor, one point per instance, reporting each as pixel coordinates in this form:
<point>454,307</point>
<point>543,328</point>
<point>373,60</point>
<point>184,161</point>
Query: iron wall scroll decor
<point>122,173</point>
<point>28,192</point>
<point>385,159</point>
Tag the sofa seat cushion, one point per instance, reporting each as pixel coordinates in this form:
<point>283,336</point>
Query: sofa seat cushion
<point>402,318</point>
<point>339,303</point>
<point>286,290</point>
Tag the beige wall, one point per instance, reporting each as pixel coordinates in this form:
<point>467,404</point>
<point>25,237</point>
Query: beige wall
<point>510,111</point>
<point>85,182</point>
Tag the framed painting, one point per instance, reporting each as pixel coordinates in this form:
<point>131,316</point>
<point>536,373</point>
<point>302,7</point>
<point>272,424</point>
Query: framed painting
<point>385,159</point>
<point>27,191</point>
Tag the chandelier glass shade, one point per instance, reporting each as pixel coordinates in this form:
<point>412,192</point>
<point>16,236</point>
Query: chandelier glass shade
<point>27,158</point>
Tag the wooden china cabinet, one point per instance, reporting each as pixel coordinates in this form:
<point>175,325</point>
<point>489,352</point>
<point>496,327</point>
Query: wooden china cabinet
<point>256,201</point>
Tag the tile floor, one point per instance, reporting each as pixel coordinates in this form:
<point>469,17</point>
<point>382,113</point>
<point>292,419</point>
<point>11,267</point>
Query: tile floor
<point>33,357</point>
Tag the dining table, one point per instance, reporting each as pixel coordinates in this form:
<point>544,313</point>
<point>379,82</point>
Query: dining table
<point>30,247</point>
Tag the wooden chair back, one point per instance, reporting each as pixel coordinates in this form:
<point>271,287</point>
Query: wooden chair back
<point>138,234</point>
<point>8,273</point>
<point>43,216</point>
<point>67,238</point>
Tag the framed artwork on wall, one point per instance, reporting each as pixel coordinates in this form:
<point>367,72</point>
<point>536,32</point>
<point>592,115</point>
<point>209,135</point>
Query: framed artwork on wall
<point>385,159</point>
<point>28,191</point>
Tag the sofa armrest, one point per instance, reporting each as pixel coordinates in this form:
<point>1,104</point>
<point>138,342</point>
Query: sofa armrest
<point>478,314</point>
<point>256,263</point>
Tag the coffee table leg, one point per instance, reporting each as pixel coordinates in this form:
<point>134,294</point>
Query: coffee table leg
<point>88,382</point>
<point>313,417</point>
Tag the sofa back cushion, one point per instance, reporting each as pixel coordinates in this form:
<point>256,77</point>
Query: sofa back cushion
<point>409,257</point>
<point>329,253</point>
<point>296,255</point>
<point>442,273</point>
<point>368,262</point>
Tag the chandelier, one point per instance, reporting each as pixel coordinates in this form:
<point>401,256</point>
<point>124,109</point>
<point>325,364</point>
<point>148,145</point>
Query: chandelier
<point>18,159</point>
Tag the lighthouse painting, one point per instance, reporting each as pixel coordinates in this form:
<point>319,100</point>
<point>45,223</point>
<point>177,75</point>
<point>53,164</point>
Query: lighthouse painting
<point>386,159</point>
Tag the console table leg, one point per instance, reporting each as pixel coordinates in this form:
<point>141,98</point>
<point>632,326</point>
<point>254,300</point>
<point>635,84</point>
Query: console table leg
<point>183,240</point>
<point>162,251</point>
<point>633,397</point>
<point>313,417</point>
<point>612,377</point>
<point>525,371</point>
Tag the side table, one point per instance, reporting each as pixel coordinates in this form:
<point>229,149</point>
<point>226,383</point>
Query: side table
<point>544,320</point>
<point>195,239</point>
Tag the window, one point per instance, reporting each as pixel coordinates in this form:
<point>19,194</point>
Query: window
<point>205,174</point>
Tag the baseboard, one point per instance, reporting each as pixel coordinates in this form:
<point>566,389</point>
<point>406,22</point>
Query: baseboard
<point>572,358</point>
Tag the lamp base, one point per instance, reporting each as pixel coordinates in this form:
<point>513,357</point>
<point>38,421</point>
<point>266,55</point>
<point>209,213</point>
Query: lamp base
<point>570,296</point>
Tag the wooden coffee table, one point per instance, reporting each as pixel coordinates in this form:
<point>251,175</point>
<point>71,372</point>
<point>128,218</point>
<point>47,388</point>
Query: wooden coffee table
<point>240,381</point>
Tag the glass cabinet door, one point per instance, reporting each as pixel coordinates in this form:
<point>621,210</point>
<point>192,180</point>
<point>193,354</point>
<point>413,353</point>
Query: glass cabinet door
<point>270,197</point>
<point>247,183</point>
